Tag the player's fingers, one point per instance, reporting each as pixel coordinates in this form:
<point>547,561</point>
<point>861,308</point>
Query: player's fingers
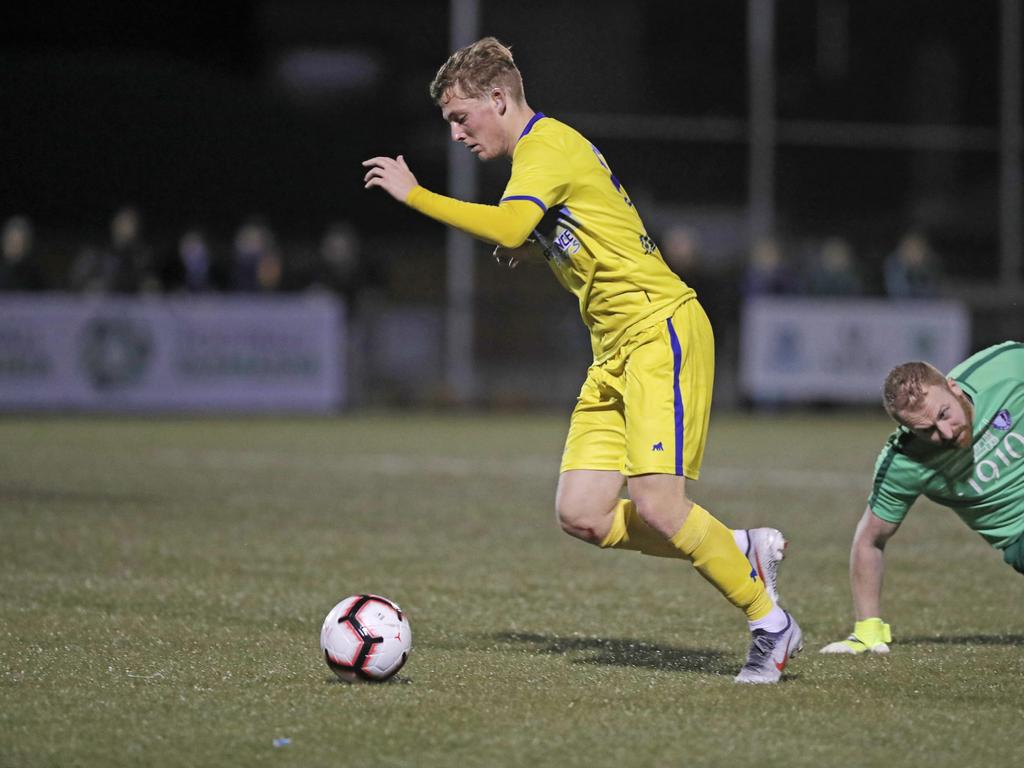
<point>378,162</point>
<point>373,180</point>
<point>504,257</point>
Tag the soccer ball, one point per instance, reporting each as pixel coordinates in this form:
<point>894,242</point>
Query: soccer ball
<point>365,637</point>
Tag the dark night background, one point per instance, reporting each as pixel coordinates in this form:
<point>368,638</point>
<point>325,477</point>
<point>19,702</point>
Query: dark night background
<point>187,110</point>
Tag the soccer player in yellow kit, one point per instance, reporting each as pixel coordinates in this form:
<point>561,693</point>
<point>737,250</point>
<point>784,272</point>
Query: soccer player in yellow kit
<point>642,414</point>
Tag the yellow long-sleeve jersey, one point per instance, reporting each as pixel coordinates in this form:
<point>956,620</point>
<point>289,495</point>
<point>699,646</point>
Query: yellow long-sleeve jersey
<point>600,251</point>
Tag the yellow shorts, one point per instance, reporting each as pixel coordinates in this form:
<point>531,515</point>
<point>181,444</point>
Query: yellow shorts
<point>645,410</point>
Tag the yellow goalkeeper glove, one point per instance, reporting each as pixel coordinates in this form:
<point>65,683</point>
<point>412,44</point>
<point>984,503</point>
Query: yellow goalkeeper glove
<point>871,635</point>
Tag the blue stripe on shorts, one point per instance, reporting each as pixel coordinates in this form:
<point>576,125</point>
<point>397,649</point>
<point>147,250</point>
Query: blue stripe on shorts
<point>677,394</point>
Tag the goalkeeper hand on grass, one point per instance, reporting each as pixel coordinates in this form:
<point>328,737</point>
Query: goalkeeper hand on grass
<point>870,635</point>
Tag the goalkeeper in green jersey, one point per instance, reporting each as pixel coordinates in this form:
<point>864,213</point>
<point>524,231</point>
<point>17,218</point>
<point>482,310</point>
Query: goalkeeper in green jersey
<point>960,443</point>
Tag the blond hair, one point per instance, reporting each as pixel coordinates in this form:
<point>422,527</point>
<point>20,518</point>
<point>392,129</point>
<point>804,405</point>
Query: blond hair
<point>905,386</point>
<point>473,70</point>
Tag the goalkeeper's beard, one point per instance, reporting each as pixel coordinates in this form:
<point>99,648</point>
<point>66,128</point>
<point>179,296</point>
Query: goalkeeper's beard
<point>965,436</point>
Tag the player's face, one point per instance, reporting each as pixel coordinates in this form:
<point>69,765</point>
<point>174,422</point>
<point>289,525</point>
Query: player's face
<point>475,123</point>
<point>943,417</point>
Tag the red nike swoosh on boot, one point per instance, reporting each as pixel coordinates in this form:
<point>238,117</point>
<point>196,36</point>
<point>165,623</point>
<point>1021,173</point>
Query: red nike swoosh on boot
<point>785,659</point>
<point>760,571</point>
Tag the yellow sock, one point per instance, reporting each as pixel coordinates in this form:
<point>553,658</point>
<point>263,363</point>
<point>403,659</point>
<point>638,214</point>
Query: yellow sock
<point>628,531</point>
<point>711,547</point>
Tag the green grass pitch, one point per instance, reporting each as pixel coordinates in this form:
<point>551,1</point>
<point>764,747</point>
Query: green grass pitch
<point>163,583</point>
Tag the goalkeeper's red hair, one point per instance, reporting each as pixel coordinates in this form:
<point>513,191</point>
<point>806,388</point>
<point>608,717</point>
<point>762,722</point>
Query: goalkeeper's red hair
<point>907,384</point>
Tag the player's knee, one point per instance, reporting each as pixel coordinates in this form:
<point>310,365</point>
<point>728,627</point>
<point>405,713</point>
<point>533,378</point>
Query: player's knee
<point>663,514</point>
<point>582,519</point>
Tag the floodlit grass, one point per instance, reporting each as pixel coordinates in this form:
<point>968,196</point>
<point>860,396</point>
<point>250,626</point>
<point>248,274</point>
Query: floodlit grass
<point>164,581</point>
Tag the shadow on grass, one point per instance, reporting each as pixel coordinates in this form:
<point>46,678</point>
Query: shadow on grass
<point>963,640</point>
<point>398,679</point>
<point>623,652</point>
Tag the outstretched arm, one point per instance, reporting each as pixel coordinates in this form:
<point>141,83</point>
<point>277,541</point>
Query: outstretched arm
<point>867,564</point>
<point>867,567</point>
<point>507,224</point>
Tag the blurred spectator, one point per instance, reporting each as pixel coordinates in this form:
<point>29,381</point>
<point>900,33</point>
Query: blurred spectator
<point>768,272</point>
<point>124,266</point>
<point>680,247</point>
<point>718,283</point>
<point>715,284</point>
<point>195,262</point>
<point>833,272</point>
<point>19,270</point>
<point>256,267</point>
<point>340,267</point>
<point>912,270</point>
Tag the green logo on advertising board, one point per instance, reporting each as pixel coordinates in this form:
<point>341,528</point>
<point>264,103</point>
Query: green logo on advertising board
<point>115,351</point>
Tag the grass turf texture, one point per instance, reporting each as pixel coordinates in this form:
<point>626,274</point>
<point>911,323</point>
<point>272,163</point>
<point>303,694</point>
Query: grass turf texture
<point>164,582</point>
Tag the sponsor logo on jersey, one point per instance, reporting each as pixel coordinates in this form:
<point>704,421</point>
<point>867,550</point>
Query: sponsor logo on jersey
<point>1003,420</point>
<point>1008,452</point>
<point>567,243</point>
<point>658,446</point>
<point>985,443</point>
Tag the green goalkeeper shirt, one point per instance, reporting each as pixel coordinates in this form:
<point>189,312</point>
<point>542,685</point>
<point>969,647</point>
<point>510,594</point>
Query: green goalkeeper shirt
<point>984,485</point>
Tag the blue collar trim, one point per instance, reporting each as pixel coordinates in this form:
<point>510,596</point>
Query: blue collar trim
<point>529,126</point>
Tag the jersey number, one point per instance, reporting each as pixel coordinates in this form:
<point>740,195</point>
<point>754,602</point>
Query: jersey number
<point>646,242</point>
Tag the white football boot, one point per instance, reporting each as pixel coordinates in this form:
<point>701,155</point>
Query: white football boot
<point>766,548</point>
<point>770,652</point>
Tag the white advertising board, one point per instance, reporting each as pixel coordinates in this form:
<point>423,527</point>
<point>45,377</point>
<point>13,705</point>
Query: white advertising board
<point>840,350</point>
<point>170,353</point>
